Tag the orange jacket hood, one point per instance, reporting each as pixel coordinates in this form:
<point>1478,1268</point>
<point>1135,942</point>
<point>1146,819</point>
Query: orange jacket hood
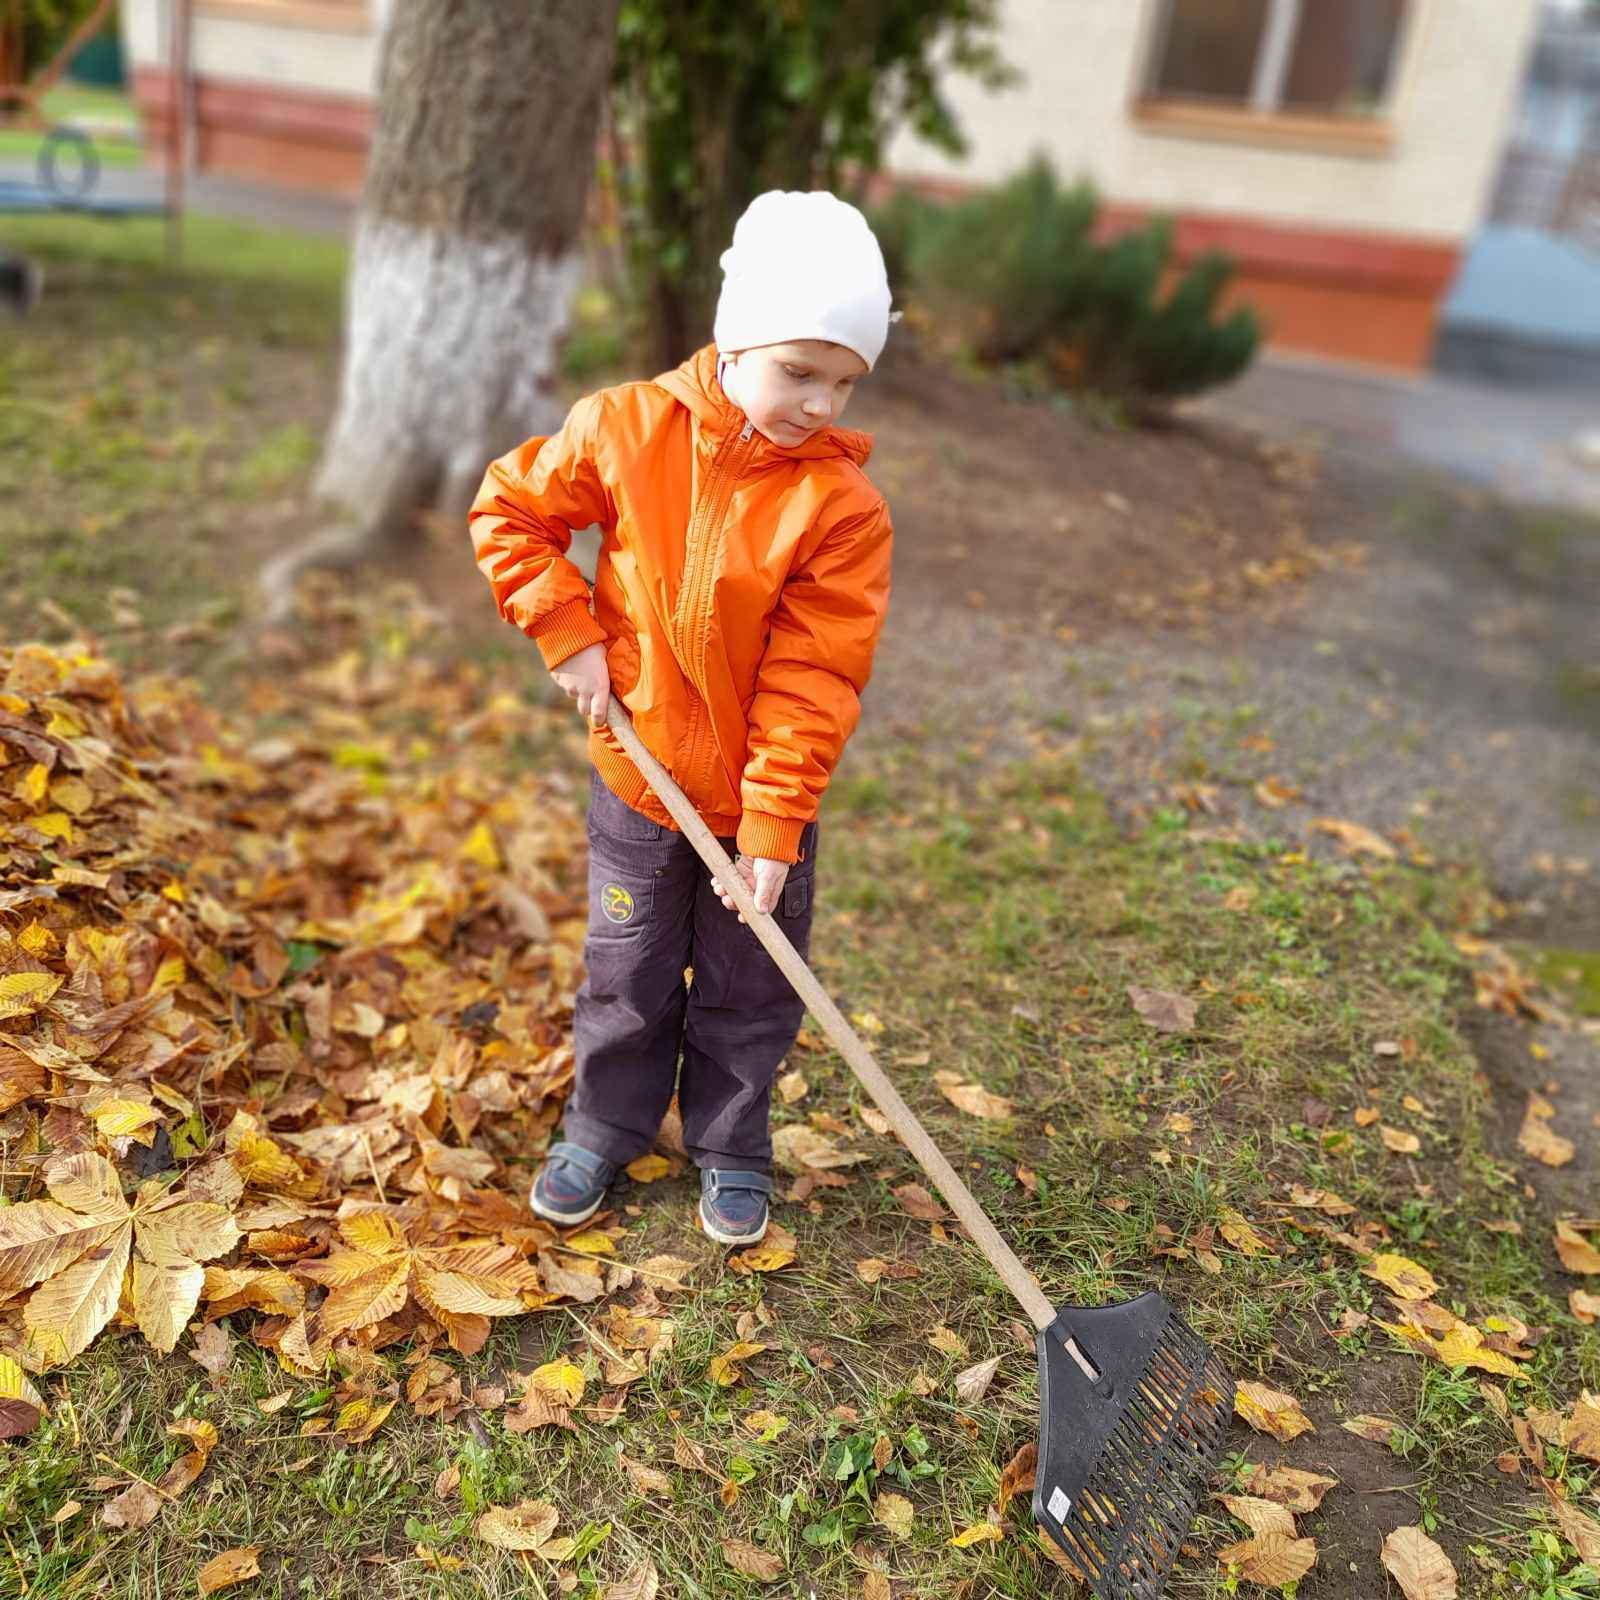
<point>694,384</point>
<point>740,590</point>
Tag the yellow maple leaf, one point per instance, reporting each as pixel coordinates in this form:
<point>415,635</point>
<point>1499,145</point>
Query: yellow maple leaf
<point>978,1533</point>
<point>23,993</point>
<point>1408,1280</point>
<point>560,1380</point>
<point>724,1368</point>
<point>1269,1410</point>
<point>648,1169</point>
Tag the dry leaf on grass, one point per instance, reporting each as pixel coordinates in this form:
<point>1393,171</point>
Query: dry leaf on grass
<point>1018,1475</point>
<point>1399,1141</point>
<point>1271,1411</point>
<point>1380,1430</point>
<point>639,1582</point>
<point>649,1168</point>
<point>977,1101</point>
<point>524,1526</point>
<point>1538,1139</point>
<point>1577,1254</point>
<point>1353,839</point>
<point>213,1349</point>
<point>666,1274</point>
<point>895,1513</point>
<point>724,1368</point>
<point>21,1405</point>
<point>1165,1012</point>
<point>978,1533</point>
<point>1585,1307</point>
<point>1418,1565</point>
<point>917,1202</point>
<point>752,1561</point>
<point>1402,1275</point>
<point>1289,1486</point>
<point>1272,1560</point>
<point>135,1507</point>
<point>797,1146</point>
<point>973,1383</point>
<point>1581,1531</point>
<point>948,1341</point>
<point>231,1567</point>
<point>1261,1517</point>
<point>792,1087</point>
<point>646,1480</point>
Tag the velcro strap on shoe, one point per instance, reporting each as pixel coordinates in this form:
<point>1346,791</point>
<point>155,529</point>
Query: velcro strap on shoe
<point>586,1161</point>
<point>715,1179</point>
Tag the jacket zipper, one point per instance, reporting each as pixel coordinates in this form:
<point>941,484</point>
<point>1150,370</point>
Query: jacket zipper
<point>699,578</point>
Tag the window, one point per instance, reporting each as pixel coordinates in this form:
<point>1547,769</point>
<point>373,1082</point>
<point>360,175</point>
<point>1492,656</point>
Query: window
<point>1297,58</point>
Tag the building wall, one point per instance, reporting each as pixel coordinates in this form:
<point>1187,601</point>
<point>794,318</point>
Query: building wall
<point>1455,87</point>
<point>1347,234</point>
<point>283,88</point>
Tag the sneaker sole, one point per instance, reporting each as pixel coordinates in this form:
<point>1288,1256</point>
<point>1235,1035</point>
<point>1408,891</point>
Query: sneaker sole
<point>729,1238</point>
<point>567,1219</point>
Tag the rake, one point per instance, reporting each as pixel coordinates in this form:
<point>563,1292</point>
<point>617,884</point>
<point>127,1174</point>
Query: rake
<point>1133,1405</point>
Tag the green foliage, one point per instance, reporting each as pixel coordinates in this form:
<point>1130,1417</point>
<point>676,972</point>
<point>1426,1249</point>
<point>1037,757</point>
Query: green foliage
<point>46,26</point>
<point>714,103</point>
<point>1018,274</point>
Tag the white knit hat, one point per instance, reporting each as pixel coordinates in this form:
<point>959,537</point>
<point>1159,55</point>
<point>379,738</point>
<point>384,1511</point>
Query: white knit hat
<point>803,266</point>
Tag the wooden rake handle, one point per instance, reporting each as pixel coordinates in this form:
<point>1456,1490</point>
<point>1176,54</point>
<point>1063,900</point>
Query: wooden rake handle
<point>841,1035</point>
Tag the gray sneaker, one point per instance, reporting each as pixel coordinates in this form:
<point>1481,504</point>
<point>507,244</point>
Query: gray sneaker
<point>733,1205</point>
<point>570,1185</point>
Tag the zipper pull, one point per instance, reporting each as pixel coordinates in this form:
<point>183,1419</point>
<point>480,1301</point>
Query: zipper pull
<point>746,430</point>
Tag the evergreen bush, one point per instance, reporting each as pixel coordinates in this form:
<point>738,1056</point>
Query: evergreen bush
<point>1017,276</point>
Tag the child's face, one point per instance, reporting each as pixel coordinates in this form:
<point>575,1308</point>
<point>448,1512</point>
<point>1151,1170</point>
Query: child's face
<point>789,391</point>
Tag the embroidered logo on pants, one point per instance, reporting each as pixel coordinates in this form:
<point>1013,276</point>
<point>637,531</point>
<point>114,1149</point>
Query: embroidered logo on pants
<point>616,903</point>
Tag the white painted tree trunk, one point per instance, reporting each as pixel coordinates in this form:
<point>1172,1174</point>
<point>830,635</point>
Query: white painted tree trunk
<point>464,264</point>
<point>450,344</point>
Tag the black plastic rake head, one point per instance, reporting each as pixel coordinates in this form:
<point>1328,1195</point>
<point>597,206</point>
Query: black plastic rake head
<point>1124,1457</point>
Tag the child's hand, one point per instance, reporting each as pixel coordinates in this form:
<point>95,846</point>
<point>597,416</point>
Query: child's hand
<point>763,878</point>
<point>586,679</point>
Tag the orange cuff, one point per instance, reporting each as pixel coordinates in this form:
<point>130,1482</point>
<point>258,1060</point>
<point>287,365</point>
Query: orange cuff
<point>775,838</point>
<point>565,631</point>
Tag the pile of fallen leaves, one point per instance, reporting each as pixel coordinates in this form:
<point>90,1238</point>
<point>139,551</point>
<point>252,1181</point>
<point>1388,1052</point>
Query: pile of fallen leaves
<point>284,1016</point>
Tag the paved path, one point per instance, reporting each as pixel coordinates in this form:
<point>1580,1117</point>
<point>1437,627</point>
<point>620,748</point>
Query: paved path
<point>265,204</point>
<point>1526,444</point>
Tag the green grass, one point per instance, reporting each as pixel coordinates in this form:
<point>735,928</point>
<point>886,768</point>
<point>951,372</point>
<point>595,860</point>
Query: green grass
<point>994,935</point>
<point>73,102</point>
<point>148,411</point>
<point>990,918</point>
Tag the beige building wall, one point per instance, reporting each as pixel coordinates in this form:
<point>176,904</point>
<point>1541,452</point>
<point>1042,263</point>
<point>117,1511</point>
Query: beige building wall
<point>260,41</point>
<point>1453,93</point>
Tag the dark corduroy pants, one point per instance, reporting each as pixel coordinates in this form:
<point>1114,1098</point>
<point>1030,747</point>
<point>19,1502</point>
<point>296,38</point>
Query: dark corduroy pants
<point>652,914</point>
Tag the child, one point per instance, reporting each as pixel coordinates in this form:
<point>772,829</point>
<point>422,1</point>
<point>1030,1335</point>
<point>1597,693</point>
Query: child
<point>741,587</point>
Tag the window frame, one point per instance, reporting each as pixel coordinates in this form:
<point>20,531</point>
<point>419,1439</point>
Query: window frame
<point>1263,119</point>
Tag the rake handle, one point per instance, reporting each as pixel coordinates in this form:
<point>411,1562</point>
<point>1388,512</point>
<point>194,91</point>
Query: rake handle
<point>841,1035</point>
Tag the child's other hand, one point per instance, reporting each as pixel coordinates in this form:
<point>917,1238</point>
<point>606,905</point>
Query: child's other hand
<point>586,679</point>
<point>763,878</point>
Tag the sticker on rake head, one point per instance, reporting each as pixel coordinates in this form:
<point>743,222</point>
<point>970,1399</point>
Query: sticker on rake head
<point>616,903</point>
<point>1059,1504</point>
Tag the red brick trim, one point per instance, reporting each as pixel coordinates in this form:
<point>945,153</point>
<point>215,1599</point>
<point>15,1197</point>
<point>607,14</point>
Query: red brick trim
<point>263,110</point>
<point>1393,262</point>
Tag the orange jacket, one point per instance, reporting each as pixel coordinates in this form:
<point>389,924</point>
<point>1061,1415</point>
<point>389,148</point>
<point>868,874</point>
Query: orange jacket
<point>740,591</point>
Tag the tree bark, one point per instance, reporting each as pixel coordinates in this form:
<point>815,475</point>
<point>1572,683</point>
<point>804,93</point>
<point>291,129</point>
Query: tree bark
<point>466,254</point>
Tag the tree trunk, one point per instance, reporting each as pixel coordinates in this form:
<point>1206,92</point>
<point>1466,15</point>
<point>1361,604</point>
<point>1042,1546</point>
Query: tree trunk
<point>466,253</point>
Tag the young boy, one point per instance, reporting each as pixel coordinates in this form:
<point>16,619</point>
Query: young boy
<point>741,587</point>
